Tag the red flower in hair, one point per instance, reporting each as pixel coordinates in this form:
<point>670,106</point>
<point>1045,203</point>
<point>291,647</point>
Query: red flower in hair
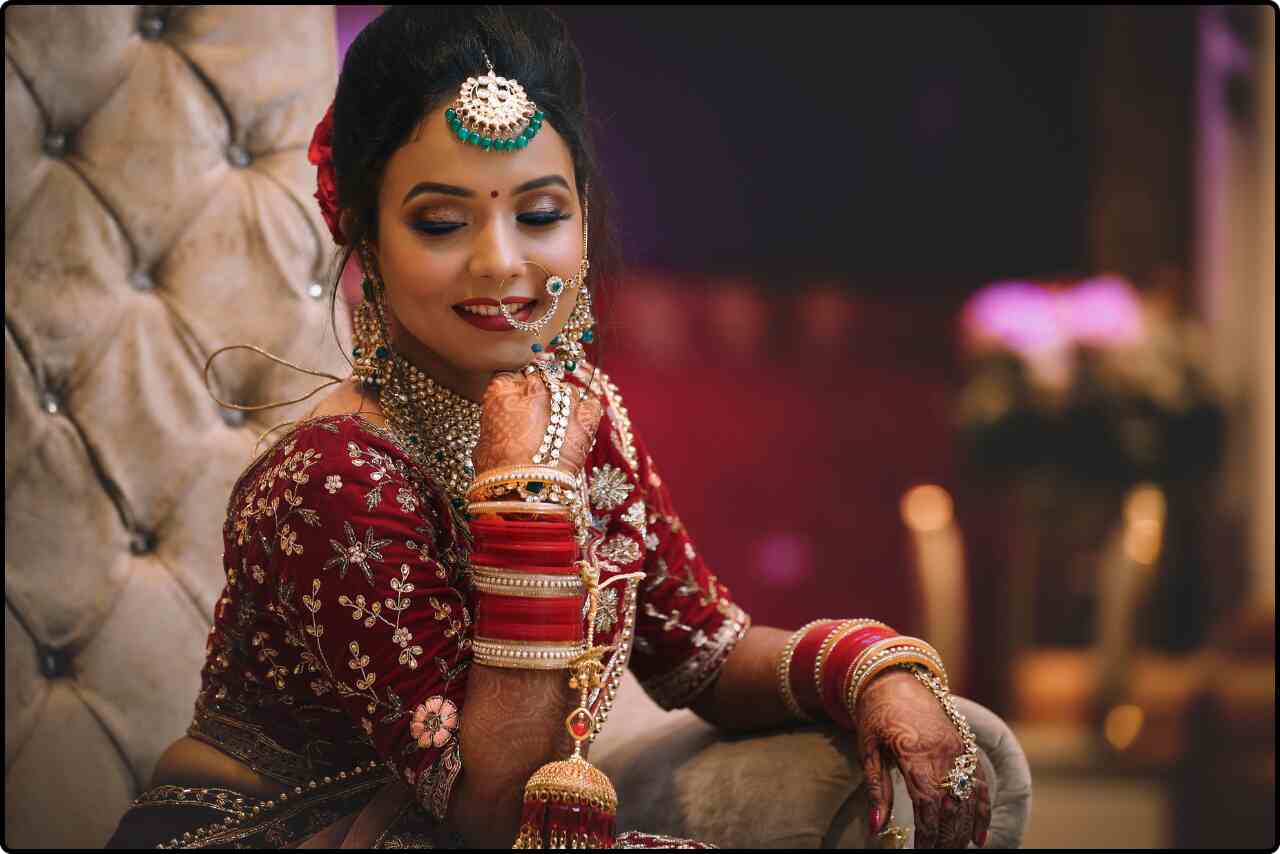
<point>320,153</point>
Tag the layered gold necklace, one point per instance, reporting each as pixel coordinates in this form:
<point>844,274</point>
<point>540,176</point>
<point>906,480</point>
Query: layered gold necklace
<point>437,427</point>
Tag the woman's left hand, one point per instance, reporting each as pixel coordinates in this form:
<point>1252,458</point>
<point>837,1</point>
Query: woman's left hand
<point>899,719</point>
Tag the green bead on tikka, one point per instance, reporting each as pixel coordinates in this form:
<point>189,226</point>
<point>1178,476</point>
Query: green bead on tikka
<point>588,337</point>
<point>382,352</point>
<point>486,143</point>
<point>537,348</point>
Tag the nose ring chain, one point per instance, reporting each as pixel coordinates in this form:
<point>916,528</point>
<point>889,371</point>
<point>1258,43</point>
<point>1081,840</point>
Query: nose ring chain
<point>555,287</point>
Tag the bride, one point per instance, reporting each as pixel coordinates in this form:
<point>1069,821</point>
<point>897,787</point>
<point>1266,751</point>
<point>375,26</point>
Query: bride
<point>436,578</point>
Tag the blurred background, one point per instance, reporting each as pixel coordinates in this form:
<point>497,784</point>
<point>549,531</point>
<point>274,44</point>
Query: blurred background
<point>964,319</point>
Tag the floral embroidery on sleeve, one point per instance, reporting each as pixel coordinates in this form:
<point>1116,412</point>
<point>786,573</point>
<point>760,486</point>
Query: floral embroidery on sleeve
<point>370,632</point>
<point>434,722</point>
<point>686,623</point>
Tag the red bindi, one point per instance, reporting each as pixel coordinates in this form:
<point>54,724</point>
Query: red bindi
<point>493,194</point>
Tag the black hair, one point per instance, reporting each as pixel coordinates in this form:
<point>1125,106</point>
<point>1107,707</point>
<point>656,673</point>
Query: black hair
<point>411,59</point>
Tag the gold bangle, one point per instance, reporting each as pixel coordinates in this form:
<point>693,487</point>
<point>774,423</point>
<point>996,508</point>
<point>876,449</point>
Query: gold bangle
<point>537,508</point>
<point>893,659</point>
<point>876,652</point>
<point>829,643</point>
<point>926,648</point>
<point>519,490</point>
<point>516,478</point>
<point>520,469</point>
<point>822,653</point>
<point>897,650</point>
<point>525,655</point>
<point>899,641</point>
<point>505,582</point>
<point>784,669</point>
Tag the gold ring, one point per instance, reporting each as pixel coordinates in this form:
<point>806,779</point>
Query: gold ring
<point>892,836</point>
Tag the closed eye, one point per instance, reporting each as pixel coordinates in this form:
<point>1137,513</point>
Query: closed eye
<point>439,228</point>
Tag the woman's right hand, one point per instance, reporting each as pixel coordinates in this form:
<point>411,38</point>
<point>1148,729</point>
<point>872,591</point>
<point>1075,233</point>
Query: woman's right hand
<point>513,421</point>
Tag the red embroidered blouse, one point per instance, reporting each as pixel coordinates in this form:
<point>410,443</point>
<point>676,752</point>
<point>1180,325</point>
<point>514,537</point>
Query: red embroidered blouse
<point>343,633</point>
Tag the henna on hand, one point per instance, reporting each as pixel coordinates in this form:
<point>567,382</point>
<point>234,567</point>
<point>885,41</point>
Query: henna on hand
<point>513,723</point>
<point>899,715</point>
<point>514,417</point>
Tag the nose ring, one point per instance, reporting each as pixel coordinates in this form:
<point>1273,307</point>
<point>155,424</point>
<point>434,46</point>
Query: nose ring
<point>554,286</point>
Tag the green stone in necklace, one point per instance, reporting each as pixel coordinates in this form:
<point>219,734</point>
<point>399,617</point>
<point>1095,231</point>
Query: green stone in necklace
<point>440,429</point>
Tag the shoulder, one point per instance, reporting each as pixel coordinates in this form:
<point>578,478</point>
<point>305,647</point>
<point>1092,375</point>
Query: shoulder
<point>339,473</point>
<point>320,455</point>
<point>331,438</point>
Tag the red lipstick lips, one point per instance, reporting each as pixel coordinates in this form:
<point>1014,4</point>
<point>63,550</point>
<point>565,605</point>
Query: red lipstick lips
<point>496,322</point>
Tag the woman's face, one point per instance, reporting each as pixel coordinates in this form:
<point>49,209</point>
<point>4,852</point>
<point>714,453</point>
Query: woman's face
<point>454,222</point>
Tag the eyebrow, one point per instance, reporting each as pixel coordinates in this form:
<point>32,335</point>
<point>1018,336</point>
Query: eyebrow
<point>450,190</point>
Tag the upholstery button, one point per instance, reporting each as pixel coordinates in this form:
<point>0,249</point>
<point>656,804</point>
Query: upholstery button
<point>142,542</point>
<point>49,400</point>
<point>54,663</point>
<point>55,144</point>
<point>152,27</point>
<point>238,156</point>
<point>315,290</point>
<point>232,417</point>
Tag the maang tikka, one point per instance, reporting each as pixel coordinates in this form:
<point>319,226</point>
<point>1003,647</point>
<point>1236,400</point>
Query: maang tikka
<point>493,113</point>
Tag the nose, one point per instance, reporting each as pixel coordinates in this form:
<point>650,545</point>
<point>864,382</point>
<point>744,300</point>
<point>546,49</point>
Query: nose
<point>496,256</point>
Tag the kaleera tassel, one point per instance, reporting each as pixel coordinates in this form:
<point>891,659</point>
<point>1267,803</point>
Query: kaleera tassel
<point>571,803</point>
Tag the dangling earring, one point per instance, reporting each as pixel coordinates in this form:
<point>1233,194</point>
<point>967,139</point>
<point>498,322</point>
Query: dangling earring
<point>371,350</point>
<point>579,328</point>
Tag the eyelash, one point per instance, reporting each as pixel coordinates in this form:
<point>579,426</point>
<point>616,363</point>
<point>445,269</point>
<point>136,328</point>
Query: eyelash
<point>441,229</point>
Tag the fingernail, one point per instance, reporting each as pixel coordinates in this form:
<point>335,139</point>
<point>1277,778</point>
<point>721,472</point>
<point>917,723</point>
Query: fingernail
<point>875,819</point>
<point>982,839</point>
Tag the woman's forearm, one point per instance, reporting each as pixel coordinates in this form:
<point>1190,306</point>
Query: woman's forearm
<point>512,725</point>
<point>745,696</point>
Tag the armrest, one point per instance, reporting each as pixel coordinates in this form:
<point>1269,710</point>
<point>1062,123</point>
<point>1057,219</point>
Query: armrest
<point>794,788</point>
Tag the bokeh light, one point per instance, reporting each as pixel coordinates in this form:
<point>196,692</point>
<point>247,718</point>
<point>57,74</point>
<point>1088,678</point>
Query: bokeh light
<point>926,508</point>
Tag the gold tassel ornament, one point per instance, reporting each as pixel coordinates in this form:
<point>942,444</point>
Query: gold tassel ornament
<point>571,803</point>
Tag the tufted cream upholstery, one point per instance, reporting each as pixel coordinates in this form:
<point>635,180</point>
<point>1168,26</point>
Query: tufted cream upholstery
<point>157,206</point>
